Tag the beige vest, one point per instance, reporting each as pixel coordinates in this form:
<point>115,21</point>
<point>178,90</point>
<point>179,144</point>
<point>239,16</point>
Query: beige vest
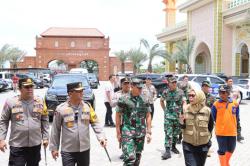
<point>196,131</point>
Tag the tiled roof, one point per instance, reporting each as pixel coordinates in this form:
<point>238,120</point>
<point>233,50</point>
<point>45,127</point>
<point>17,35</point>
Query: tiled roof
<point>72,32</point>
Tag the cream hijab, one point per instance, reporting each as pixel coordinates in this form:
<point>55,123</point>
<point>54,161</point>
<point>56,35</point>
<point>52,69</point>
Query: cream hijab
<point>199,100</point>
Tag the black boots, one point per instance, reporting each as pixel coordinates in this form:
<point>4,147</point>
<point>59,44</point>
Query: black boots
<point>166,155</point>
<point>138,159</point>
<point>240,138</point>
<point>175,150</point>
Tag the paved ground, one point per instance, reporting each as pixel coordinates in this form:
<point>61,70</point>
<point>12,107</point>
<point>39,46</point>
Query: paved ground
<point>152,152</point>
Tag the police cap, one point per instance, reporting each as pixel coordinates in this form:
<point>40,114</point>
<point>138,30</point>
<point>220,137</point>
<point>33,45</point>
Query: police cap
<point>75,86</point>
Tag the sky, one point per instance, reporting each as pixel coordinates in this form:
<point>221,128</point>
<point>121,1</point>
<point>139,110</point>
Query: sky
<point>124,21</point>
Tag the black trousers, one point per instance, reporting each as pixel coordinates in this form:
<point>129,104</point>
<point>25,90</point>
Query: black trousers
<point>152,110</point>
<point>108,117</point>
<point>195,155</point>
<point>226,144</point>
<point>21,156</point>
<point>72,158</point>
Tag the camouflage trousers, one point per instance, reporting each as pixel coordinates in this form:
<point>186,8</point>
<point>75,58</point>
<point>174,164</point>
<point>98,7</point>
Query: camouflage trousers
<point>132,148</point>
<point>172,131</point>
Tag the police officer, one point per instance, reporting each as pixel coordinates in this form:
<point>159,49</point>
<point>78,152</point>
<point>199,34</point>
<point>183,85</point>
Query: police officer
<point>29,126</point>
<point>135,112</point>
<point>72,119</point>
<point>125,84</point>
<point>174,99</point>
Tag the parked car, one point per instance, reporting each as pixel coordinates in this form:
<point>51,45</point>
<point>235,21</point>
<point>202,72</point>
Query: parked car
<point>245,83</point>
<point>38,83</point>
<point>215,83</point>
<point>3,85</point>
<point>93,80</point>
<point>7,76</point>
<point>158,80</point>
<point>57,93</point>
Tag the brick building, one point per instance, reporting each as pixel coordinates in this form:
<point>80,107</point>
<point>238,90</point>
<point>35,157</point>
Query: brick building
<point>73,46</point>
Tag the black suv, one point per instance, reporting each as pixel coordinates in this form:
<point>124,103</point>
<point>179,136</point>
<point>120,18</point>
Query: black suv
<point>158,80</point>
<point>57,93</point>
<point>38,83</point>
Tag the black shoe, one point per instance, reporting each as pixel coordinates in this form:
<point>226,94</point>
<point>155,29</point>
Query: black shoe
<point>240,138</point>
<point>112,125</point>
<point>121,157</point>
<point>106,125</point>
<point>166,155</point>
<point>179,141</point>
<point>175,150</point>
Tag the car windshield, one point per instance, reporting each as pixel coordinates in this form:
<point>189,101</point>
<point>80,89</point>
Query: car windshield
<point>243,82</point>
<point>61,81</point>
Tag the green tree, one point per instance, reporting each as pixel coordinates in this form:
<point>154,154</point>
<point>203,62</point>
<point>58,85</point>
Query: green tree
<point>15,55</point>
<point>152,52</point>
<point>4,54</point>
<point>137,57</point>
<point>122,56</point>
<point>90,65</point>
<point>184,51</point>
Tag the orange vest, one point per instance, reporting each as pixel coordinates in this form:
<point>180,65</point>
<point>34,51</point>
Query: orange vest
<point>226,123</point>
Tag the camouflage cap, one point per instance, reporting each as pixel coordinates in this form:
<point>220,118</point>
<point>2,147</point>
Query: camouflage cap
<point>137,82</point>
<point>206,82</point>
<point>172,79</point>
<point>74,86</point>
<point>224,88</point>
<point>25,82</point>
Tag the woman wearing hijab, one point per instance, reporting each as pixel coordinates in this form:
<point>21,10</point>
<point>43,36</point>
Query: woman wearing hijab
<point>197,125</point>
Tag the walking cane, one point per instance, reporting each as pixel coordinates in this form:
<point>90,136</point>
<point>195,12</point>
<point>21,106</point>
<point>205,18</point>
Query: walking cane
<point>45,156</point>
<point>107,153</point>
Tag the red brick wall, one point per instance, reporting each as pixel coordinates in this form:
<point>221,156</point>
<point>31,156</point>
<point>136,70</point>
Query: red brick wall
<point>28,61</point>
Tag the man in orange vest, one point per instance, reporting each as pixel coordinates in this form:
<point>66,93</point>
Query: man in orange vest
<point>225,113</point>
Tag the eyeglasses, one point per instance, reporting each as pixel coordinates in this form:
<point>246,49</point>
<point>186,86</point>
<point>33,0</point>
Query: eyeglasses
<point>191,95</point>
<point>28,87</point>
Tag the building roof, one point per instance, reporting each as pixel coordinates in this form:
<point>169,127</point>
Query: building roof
<point>72,32</point>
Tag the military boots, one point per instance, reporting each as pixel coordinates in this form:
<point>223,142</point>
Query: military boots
<point>138,159</point>
<point>174,149</point>
<point>166,155</point>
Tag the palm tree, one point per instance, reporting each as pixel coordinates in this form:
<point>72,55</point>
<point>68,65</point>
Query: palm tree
<point>185,49</point>
<point>122,56</point>
<point>152,52</point>
<point>4,54</point>
<point>137,57</point>
<point>15,55</point>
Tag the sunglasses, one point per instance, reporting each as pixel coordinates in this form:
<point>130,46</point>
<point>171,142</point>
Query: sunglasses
<point>78,91</point>
<point>191,95</point>
<point>28,87</point>
<point>222,92</point>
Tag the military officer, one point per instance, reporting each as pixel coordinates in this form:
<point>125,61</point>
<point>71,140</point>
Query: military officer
<point>29,126</point>
<point>135,112</point>
<point>125,84</point>
<point>72,119</point>
<point>235,94</point>
<point>172,101</point>
<point>210,99</point>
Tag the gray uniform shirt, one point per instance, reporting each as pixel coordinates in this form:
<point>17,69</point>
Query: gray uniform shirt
<point>29,122</point>
<point>73,125</point>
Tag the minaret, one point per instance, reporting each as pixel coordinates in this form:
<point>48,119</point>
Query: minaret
<point>170,12</point>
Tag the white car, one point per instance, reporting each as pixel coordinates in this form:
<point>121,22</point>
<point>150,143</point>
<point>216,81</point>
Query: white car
<point>244,85</point>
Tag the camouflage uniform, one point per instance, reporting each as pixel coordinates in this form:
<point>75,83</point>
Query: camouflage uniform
<point>134,110</point>
<point>174,100</point>
<point>209,100</point>
<point>185,87</point>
